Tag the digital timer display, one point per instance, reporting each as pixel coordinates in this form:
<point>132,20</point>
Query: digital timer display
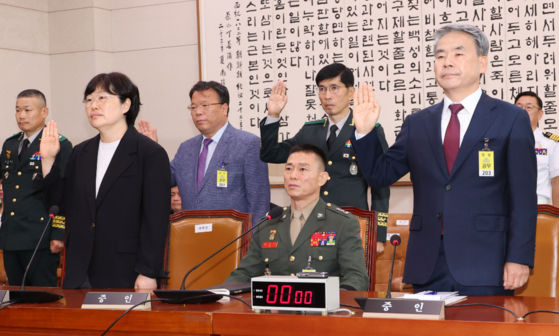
<point>288,294</point>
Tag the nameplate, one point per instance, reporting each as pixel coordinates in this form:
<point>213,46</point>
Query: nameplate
<point>402,222</point>
<point>404,309</point>
<point>389,235</point>
<point>203,228</point>
<point>118,300</point>
<point>4,296</point>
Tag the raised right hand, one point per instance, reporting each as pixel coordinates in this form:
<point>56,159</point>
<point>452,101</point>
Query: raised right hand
<point>278,99</point>
<point>366,109</point>
<point>145,128</point>
<point>50,143</point>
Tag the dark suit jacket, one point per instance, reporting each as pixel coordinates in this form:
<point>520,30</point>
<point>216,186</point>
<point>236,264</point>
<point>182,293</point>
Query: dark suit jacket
<point>121,233</point>
<point>487,220</point>
<point>26,213</point>
<point>342,189</point>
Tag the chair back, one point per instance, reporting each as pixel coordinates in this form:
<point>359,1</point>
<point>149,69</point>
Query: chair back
<point>194,235</point>
<point>368,232</point>
<point>543,280</point>
<point>396,224</point>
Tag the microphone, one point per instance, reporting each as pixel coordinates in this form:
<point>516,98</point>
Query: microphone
<point>179,296</point>
<point>34,296</point>
<point>395,240</point>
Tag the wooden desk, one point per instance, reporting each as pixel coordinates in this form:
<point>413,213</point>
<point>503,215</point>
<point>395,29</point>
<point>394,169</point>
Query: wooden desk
<point>234,318</point>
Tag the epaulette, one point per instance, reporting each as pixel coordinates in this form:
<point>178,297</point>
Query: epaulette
<point>61,137</point>
<point>377,125</point>
<point>336,209</point>
<point>15,135</point>
<point>316,122</point>
<point>551,136</point>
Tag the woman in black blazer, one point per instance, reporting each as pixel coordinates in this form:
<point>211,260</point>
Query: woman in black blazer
<point>114,194</point>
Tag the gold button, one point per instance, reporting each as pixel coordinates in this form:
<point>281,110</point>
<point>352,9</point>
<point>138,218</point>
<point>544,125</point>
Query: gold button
<point>292,258</point>
<point>329,204</point>
<point>36,167</point>
<point>329,178</point>
<point>284,208</point>
<point>42,219</point>
<point>292,274</point>
<point>266,260</point>
<point>14,200</point>
<point>325,193</point>
<point>353,157</point>
<point>319,257</point>
<point>17,187</point>
<point>7,167</point>
<point>329,163</point>
<point>12,214</point>
<point>18,173</point>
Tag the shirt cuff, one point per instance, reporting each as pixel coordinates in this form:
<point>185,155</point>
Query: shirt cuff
<point>359,136</point>
<point>270,120</point>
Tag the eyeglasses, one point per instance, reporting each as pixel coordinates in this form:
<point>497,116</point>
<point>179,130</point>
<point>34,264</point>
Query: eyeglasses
<point>100,100</point>
<point>334,89</point>
<point>529,107</point>
<point>203,107</point>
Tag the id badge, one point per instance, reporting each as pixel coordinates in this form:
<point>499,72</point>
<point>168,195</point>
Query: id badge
<point>486,163</point>
<point>222,178</point>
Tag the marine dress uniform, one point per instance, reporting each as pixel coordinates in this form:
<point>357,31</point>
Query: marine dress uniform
<point>26,212</point>
<point>346,185</point>
<point>547,154</point>
<point>329,237</point>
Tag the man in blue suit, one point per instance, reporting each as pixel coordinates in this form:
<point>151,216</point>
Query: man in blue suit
<point>219,168</point>
<point>471,161</point>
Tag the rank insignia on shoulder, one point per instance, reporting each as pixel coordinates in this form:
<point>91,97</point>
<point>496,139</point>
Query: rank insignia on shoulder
<point>61,137</point>
<point>342,211</point>
<point>551,136</point>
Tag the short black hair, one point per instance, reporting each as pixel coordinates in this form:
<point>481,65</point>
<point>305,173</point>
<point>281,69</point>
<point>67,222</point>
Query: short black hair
<point>120,85</point>
<point>32,93</point>
<point>529,94</point>
<point>221,90</point>
<point>334,70</point>
<point>308,148</point>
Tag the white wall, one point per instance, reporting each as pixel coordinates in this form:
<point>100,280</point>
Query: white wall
<point>57,46</point>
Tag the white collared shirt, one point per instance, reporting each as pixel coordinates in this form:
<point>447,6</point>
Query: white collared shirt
<point>547,155</point>
<point>464,116</point>
<point>212,145</point>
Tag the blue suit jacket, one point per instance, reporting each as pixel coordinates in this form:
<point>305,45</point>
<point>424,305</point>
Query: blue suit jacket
<point>487,220</point>
<point>248,186</point>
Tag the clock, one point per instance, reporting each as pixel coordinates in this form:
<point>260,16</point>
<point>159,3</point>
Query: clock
<point>282,292</point>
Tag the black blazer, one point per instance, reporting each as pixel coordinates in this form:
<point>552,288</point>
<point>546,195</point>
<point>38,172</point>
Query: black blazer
<point>121,233</point>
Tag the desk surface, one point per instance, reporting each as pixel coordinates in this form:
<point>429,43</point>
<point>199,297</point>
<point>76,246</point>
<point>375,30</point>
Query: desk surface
<point>234,318</point>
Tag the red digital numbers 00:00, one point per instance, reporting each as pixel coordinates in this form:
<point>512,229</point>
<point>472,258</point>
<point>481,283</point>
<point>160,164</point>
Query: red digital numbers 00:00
<point>285,295</point>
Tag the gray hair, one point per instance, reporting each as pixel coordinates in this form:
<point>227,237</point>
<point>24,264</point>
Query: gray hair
<point>482,44</point>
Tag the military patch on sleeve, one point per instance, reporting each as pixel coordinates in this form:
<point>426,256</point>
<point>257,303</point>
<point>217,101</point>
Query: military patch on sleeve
<point>551,136</point>
<point>382,218</point>
<point>59,222</point>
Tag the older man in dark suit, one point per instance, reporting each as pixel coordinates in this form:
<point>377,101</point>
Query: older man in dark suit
<point>471,161</point>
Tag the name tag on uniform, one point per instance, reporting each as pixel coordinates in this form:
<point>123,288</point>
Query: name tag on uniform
<point>222,178</point>
<point>486,163</point>
<point>270,245</point>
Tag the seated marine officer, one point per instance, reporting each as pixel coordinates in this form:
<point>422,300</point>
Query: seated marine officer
<point>309,233</point>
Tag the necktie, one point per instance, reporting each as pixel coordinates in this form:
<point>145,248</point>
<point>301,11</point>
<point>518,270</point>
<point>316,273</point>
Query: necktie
<point>332,137</point>
<point>202,163</point>
<point>297,221</point>
<point>452,137</point>
<point>23,148</point>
